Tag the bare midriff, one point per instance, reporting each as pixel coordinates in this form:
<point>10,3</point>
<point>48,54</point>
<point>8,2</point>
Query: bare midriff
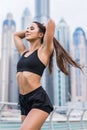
<point>27,82</point>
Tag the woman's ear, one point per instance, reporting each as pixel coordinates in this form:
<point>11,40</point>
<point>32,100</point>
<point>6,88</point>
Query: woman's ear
<point>41,35</point>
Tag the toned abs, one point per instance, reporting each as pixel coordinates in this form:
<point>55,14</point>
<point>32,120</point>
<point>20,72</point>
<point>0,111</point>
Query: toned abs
<point>27,81</point>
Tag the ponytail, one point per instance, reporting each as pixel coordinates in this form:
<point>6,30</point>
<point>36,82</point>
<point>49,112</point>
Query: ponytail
<point>62,58</point>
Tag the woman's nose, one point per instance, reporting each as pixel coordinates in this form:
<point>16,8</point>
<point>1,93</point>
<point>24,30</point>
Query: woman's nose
<point>27,30</point>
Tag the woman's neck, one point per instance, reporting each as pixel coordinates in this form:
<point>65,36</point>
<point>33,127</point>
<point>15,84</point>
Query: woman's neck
<point>34,46</point>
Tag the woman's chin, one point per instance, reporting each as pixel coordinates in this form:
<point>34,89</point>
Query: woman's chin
<point>28,39</point>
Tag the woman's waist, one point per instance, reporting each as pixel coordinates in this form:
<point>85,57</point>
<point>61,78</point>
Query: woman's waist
<point>30,84</point>
<point>27,89</point>
<point>27,82</point>
<point>30,93</point>
<point>27,86</point>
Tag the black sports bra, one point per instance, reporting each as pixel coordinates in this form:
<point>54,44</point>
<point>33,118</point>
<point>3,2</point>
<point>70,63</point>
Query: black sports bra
<point>31,63</point>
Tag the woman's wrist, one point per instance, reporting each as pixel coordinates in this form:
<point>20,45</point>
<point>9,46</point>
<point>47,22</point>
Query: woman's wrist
<point>20,34</point>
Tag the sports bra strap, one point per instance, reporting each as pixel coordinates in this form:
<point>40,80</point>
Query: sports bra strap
<point>24,53</point>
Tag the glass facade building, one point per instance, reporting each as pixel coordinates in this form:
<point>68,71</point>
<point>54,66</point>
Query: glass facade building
<point>78,79</point>
<point>62,35</point>
<point>8,81</point>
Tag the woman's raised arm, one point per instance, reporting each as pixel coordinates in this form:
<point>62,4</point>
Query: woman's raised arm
<point>49,34</point>
<point>18,36</point>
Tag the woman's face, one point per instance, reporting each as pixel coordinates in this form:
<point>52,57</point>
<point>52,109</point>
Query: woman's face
<point>32,32</point>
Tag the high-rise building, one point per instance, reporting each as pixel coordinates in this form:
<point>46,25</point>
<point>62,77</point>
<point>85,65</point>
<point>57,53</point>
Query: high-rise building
<point>9,57</point>
<point>26,18</point>
<point>25,22</point>
<point>42,15</point>
<point>42,10</point>
<point>62,35</point>
<point>78,79</point>
<point>55,81</point>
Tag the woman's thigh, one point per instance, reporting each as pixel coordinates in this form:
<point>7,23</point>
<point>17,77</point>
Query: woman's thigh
<point>34,120</point>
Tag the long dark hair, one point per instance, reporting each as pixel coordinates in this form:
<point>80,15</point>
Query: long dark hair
<point>63,58</point>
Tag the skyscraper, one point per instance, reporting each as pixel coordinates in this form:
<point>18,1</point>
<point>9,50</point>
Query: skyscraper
<point>26,18</point>
<point>42,10</point>
<point>62,35</point>
<point>25,22</point>
<point>9,57</point>
<point>78,79</point>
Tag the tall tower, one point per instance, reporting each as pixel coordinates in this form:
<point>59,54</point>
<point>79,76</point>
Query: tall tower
<point>9,57</point>
<point>42,10</point>
<point>25,22</point>
<point>26,18</point>
<point>62,35</point>
<point>78,79</point>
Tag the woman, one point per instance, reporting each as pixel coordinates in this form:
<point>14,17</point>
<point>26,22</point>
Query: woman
<point>35,103</point>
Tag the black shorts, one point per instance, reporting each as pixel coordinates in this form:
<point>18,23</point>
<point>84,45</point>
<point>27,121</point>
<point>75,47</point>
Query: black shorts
<point>38,98</point>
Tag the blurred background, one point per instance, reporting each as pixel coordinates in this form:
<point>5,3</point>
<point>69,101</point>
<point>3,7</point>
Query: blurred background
<point>67,93</point>
<point>71,31</point>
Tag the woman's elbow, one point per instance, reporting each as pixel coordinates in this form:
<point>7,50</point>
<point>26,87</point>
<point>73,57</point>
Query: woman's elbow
<point>51,22</point>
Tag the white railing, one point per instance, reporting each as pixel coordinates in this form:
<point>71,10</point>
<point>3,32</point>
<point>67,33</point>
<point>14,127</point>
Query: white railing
<point>70,116</point>
<point>60,114</point>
